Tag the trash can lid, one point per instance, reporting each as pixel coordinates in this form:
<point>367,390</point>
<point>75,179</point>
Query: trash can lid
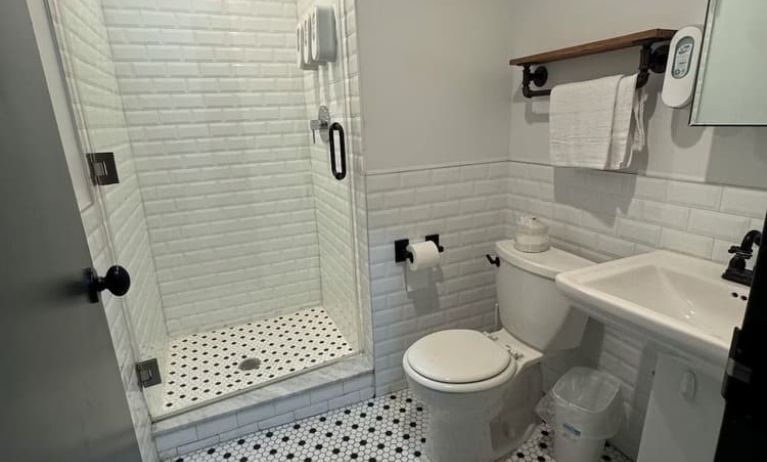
<point>589,390</point>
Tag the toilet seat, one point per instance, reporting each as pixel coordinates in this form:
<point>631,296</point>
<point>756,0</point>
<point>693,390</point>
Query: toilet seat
<point>459,361</point>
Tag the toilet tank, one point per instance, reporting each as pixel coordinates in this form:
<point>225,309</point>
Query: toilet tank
<point>531,307</point>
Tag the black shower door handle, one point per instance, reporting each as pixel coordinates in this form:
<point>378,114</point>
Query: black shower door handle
<point>339,174</point>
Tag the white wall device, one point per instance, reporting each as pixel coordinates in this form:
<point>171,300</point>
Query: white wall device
<point>682,67</point>
<point>306,48</point>
<point>301,53</point>
<point>323,39</point>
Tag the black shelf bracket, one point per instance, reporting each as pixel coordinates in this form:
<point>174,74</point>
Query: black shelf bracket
<point>538,77</point>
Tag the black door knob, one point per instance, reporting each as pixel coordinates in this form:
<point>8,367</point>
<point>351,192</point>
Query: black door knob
<point>116,280</point>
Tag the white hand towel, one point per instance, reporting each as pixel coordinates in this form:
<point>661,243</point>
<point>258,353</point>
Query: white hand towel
<point>581,122</point>
<point>628,126</point>
<point>597,124</point>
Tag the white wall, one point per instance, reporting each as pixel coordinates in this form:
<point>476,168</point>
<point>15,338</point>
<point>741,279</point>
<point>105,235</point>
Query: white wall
<point>735,156</point>
<point>434,81</point>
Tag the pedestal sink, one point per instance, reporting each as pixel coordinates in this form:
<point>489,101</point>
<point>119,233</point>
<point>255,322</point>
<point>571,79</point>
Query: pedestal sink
<point>679,301</point>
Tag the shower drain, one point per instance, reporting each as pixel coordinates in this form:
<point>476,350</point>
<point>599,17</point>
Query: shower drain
<point>249,364</point>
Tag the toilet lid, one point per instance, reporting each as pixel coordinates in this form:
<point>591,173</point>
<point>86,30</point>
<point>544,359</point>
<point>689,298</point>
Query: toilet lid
<point>457,356</point>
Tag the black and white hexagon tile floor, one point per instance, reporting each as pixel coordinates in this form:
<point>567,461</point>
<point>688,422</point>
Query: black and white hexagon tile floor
<point>210,364</point>
<point>389,428</point>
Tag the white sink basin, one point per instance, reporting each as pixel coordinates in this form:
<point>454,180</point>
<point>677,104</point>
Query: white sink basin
<point>678,300</point>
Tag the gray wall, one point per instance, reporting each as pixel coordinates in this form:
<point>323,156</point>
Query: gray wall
<point>435,82</point>
<point>736,156</point>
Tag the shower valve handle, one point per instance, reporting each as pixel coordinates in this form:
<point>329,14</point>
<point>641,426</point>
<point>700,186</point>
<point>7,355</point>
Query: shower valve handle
<point>117,281</point>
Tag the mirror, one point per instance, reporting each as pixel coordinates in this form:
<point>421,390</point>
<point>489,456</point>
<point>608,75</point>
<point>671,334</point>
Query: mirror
<point>732,78</point>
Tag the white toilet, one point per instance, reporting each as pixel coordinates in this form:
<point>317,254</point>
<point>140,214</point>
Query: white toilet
<point>481,389</point>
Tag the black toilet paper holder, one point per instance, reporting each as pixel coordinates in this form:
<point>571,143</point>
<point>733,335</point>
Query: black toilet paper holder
<point>400,248</point>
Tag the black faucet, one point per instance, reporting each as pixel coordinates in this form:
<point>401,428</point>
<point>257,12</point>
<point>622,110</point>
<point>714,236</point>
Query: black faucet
<point>736,271</point>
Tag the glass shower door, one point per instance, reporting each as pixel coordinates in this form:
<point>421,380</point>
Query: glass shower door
<point>113,221</point>
<point>236,228</point>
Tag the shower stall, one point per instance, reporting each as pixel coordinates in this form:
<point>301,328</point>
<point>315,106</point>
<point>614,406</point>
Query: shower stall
<point>228,212</point>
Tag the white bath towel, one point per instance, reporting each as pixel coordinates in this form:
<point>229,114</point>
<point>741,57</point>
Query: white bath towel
<point>593,124</point>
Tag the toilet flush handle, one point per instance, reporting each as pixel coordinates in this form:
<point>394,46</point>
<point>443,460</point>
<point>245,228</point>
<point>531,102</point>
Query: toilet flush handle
<point>493,261</point>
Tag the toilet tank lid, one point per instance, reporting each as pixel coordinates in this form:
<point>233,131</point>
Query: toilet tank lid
<point>547,264</point>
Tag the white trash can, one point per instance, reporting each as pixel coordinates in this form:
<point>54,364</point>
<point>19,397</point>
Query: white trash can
<point>584,409</point>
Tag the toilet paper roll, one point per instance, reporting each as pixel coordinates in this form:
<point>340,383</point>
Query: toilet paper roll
<point>425,256</point>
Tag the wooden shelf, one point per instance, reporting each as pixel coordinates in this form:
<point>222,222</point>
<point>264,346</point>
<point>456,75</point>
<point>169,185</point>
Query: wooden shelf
<point>647,37</point>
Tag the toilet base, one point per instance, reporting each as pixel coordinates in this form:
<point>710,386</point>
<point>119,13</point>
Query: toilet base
<point>482,426</point>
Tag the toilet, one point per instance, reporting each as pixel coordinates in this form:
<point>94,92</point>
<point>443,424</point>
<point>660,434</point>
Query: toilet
<point>481,388</point>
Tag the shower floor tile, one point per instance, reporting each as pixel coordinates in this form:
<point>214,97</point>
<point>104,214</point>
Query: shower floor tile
<point>390,428</point>
<point>208,365</point>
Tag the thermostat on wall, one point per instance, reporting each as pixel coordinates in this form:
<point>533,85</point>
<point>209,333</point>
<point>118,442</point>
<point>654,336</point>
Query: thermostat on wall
<point>682,67</point>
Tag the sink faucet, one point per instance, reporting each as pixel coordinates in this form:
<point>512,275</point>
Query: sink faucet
<point>736,271</point>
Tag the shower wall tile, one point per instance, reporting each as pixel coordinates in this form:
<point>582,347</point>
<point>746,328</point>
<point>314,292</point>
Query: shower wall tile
<point>114,221</point>
<point>333,85</point>
<point>356,157</point>
<point>216,110</point>
<point>466,207</point>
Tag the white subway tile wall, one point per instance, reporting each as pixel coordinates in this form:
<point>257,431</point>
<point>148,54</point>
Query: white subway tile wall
<point>465,206</point>
<point>216,110</point>
<point>607,215</point>
<point>136,321</point>
<point>598,215</point>
<point>330,85</point>
<point>354,131</point>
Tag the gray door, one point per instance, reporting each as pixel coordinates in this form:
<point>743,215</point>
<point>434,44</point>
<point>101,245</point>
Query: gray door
<point>60,389</point>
